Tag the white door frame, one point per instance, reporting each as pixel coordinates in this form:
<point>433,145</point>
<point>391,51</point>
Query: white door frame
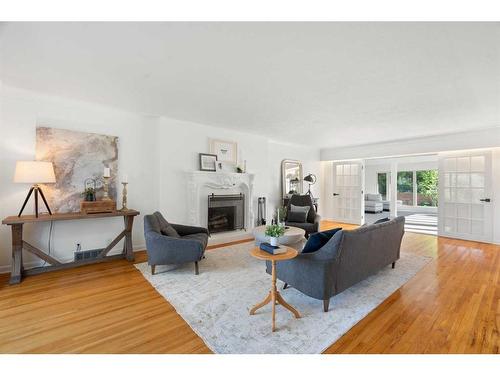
<point>348,192</point>
<point>461,212</point>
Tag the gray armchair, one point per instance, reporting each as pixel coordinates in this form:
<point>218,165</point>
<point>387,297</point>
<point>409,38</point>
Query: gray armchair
<point>349,257</point>
<point>312,221</point>
<point>168,243</point>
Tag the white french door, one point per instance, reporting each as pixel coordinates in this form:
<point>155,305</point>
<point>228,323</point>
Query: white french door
<point>348,188</point>
<point>465,188</point>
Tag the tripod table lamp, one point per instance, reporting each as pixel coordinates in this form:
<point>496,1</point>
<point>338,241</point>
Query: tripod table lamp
<point>34,172</point>
<point>311,180</point>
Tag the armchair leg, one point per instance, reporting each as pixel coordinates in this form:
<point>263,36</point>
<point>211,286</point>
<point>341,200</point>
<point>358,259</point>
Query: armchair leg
<point>393,264</point>
<point>326,303</point>
<point>196,270</point>
<point>153,269</point>
<point>285,286</point>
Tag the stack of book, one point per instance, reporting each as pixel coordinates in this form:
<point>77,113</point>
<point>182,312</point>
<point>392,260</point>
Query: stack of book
<point>273,250</point>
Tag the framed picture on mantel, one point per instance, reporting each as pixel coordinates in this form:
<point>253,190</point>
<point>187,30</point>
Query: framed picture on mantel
<point>226,151</point>
<point>208,162</point>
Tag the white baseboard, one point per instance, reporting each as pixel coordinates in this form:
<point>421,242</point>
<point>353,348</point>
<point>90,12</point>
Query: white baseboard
<point>38,263</point>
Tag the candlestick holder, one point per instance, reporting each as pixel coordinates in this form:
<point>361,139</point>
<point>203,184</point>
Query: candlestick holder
<point>124,196</point>
<point>105,196</point>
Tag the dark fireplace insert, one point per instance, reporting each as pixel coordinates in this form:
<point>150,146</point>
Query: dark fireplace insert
<point>226,212</point>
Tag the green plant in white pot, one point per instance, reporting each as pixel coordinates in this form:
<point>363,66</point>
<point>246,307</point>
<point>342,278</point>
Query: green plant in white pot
<point>274,232</point>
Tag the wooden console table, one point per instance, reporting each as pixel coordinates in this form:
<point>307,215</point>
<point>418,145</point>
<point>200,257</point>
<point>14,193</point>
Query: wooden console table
<point>18,244</point>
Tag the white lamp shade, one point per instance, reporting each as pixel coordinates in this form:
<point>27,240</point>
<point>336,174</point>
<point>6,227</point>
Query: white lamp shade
<point>34,172</point>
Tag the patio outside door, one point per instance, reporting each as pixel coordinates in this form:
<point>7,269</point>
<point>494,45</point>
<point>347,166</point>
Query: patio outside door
<point>348,192</point>
<point>465,187</point>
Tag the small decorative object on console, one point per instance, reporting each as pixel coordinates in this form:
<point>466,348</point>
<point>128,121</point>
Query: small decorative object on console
<point>124,192</point>
<point>273,250</point>
<point>89,194</point>
<point>106,176</point>
<point>98,207</point>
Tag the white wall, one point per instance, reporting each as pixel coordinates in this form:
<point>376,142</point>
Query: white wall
<point>180,143</point>
<point>21,111</point>
<point>480,138</point>
<point>156,153</point>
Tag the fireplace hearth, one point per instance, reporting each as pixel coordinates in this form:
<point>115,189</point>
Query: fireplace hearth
<point>226,212</point>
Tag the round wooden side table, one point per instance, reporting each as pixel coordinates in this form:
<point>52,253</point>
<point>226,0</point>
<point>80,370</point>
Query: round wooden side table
<point>274,297</point>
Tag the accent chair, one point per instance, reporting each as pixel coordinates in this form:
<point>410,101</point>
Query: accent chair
<point>168,243</point>
<point>311,223</point>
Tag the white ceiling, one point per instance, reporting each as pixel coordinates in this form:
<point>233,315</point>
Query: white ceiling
<point>321,84</point>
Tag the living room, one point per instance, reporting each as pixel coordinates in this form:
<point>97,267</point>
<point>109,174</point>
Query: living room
<point>199,187</point>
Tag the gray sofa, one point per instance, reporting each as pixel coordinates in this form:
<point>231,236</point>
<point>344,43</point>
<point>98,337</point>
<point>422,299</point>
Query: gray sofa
<point>349,257</point>
<point>312,221</point>
<point>168,243</point>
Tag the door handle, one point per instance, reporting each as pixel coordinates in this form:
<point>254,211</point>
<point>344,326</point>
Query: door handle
<point>335,194</point>
<point>485,200</point>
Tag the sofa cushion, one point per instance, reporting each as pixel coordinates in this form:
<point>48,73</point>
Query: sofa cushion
<point>383,220</point>
<point>297,216</point>
<point>308,227</point>
<point>200,237</point>
<point>373,197</point>
<point>165,228</point>
<point>317,240</point>
<point>305,209</point>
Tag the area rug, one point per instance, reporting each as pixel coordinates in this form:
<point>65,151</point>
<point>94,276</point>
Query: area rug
<point>216,303</point>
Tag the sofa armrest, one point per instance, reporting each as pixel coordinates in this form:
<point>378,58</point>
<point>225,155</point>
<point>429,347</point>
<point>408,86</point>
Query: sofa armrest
<point>317,219</point>
<point>164,249</point>
<point>315,278</point>
<point>184,230</point>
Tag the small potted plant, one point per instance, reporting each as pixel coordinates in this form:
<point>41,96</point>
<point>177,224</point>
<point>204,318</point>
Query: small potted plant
<point>89,194</point>
<point>274,232</point>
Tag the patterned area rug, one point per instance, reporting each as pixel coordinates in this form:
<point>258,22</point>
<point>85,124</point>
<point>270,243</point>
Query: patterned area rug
<point>216,303</point>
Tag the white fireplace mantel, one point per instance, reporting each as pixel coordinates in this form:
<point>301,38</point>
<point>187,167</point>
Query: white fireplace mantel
<point>218,182</point>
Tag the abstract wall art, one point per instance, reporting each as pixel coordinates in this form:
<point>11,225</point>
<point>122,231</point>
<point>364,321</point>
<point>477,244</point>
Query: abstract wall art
<point>76,156</point>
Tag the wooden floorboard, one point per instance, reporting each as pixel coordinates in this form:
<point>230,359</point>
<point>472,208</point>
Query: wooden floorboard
<point>451,306</point>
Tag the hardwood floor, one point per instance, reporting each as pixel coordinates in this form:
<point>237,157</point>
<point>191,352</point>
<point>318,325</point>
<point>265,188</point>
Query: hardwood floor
<point>450,306</point>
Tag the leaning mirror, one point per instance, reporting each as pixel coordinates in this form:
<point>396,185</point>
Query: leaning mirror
<point>291,177</point>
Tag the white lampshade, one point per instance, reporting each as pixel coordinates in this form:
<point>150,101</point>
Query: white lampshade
<point>34,172</point>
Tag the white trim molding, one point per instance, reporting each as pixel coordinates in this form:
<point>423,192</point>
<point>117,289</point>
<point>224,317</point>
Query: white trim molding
<point>219,181</point>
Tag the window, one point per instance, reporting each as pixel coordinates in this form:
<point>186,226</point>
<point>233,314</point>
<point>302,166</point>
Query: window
<point>382,185</point>
<point>405,187</point>
<point>427,188</point>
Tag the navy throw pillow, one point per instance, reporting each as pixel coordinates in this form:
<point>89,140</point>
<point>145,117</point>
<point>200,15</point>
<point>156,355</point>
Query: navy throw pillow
<point>317,240</point>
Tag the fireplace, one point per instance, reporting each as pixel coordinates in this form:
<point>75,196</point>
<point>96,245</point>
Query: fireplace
<point>226,212</point>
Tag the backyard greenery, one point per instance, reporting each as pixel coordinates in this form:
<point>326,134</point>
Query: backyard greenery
<point>427,188</point>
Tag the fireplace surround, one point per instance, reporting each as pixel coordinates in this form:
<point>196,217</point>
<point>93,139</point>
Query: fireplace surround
<point>201,184</point>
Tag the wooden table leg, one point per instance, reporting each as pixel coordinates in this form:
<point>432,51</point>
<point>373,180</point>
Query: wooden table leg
<point>261,304</point>
<point>273,293</point>
<point>17,254</point>
<point>274,297</point>
<point>283,303</point>
<point>129,221</point>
